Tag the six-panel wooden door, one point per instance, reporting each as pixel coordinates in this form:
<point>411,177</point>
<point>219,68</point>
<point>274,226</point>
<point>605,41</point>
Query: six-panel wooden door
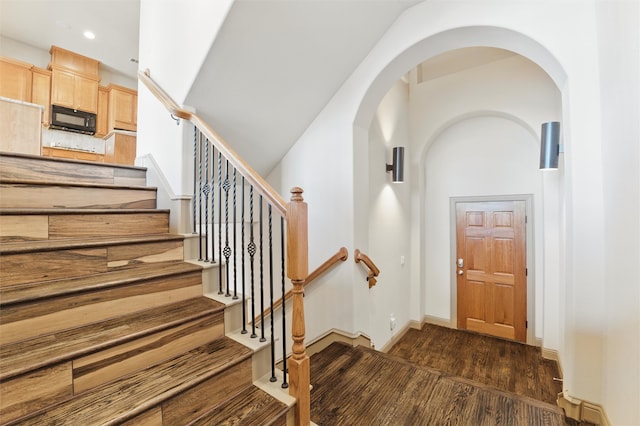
<point>491,268</point>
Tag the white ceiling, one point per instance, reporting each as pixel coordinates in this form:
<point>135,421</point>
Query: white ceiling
<point>273,67</point>
<point>43,23</point>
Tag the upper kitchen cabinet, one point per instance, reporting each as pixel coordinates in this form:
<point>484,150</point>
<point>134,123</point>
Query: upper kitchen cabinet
<point>74,80</point>
<point>15,79</point>
<point>123,108</point>
<point>41,91</point>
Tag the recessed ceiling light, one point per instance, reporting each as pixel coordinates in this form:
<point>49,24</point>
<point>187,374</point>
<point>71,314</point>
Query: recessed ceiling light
<point>88,34</point>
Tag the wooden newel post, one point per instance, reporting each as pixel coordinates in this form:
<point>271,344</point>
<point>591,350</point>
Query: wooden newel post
<point>298,270</point>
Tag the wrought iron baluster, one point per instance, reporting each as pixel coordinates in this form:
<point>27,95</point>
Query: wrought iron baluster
<point>200,197</point>
<point>206,190</point>
<point>195,179</point>
<point>285,384</point>
<point>235,239</point>
<point>244,300</point>
<point>252,252</point>
<point>213,205</point>
<point>227,249</point>
<point>261,260</point>
<point>273,334</point>
<point>220,282</point>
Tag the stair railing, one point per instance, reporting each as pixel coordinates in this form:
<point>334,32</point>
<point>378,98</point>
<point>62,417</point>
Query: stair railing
<point>340,255</point>
<point>372,269</point>
<point>219,170</point>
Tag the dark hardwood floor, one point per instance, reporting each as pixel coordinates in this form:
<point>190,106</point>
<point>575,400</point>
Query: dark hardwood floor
<point>436,376</point>
<point>504,364</point>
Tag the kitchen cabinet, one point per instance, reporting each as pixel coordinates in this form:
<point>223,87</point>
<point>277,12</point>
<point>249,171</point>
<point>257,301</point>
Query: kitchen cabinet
<point>74,80</point>
<point>123,108</point>
<point>102,118</point>
<point>120,148</point>
<point>72,154</point>
<point>15,79</point>
<point>41,91</point>
<point>73,90</point>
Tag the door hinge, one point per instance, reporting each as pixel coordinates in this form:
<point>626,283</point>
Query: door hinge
<point>526,219</point>
<point>526,324</point>
<point>526,272</point>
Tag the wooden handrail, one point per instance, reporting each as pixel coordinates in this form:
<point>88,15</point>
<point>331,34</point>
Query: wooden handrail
<point>262,187</point>
<point>341,254</point>
<point>373,269</point>
<point>296,216</point>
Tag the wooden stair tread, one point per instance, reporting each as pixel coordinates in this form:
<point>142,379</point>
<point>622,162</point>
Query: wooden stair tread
<point>76,243</point>
<point>128,396</point>
<point>253,407</point>
<point>27,355</point>
<point>6,181</point>
<point>40,290</point>
<point>61,211</point>
<point>70,160</point>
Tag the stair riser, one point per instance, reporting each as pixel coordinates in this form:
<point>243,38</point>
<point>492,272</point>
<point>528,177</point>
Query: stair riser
<point>36,390</point>
<point>57,226</point>
<point>19,322</point>
<point>101,367</point>
<point>24,268</point>
<point>199,399</point>
<point>42,169</point>
<point>36,196</point>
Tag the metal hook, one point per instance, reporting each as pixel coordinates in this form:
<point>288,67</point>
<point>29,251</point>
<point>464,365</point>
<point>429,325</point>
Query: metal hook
<point>175,118</point>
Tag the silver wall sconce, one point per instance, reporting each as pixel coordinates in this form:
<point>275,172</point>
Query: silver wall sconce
<point>397,168</point>
<point>550,147</point>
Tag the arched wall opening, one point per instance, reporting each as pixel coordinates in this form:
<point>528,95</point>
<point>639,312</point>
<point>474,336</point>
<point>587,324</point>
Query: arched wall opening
<point>427,293</point>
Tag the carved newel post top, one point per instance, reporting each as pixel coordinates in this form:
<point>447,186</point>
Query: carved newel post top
<point>296,194</point>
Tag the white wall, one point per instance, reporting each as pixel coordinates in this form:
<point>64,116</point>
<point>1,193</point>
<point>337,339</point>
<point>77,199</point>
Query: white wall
<point>389,217</point>
<point>619,41</point>
<point>175,37</point>
<point>537,30</point>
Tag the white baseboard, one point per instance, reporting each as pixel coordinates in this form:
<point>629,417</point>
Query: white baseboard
<point>580,410</point>
<point>335,335</point>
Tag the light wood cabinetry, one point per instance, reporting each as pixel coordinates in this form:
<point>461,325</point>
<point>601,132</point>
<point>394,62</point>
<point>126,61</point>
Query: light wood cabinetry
<point>74,80</point>
<point>102,118</point>
<point>120,148</point>
<point>15,79</point>
<point>41,91</point>
<point>123,108</point>
<point>72,154</point>
<point>74,91</point>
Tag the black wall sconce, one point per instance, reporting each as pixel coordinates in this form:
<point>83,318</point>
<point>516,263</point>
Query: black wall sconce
<point>550,147</point>
<point>397,168</point>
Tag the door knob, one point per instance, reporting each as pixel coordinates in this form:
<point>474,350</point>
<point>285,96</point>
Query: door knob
<point>460,272</point>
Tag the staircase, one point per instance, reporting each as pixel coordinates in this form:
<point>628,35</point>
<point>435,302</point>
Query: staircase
<point>101,319</point>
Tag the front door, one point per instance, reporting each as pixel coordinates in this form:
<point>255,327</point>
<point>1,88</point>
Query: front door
<point>491,268</point>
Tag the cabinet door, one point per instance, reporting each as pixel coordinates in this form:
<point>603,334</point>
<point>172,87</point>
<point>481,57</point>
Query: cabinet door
<point>123,109</point>
<point>15,80</point>
<point>102,118</point>
<point>86,94</point>
<point>41,91</point>
<point>62,88</point>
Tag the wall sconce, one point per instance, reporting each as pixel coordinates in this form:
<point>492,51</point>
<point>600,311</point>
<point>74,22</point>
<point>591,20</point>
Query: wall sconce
<point>550,147</point>
<point>397,168</point>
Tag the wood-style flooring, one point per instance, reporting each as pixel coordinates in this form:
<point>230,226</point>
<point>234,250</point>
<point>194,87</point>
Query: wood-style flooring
<point>436,376</point>
<point>359,386</point>
<point>503,364</point>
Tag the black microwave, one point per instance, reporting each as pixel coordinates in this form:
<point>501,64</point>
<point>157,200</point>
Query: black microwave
<point>73,120</point>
